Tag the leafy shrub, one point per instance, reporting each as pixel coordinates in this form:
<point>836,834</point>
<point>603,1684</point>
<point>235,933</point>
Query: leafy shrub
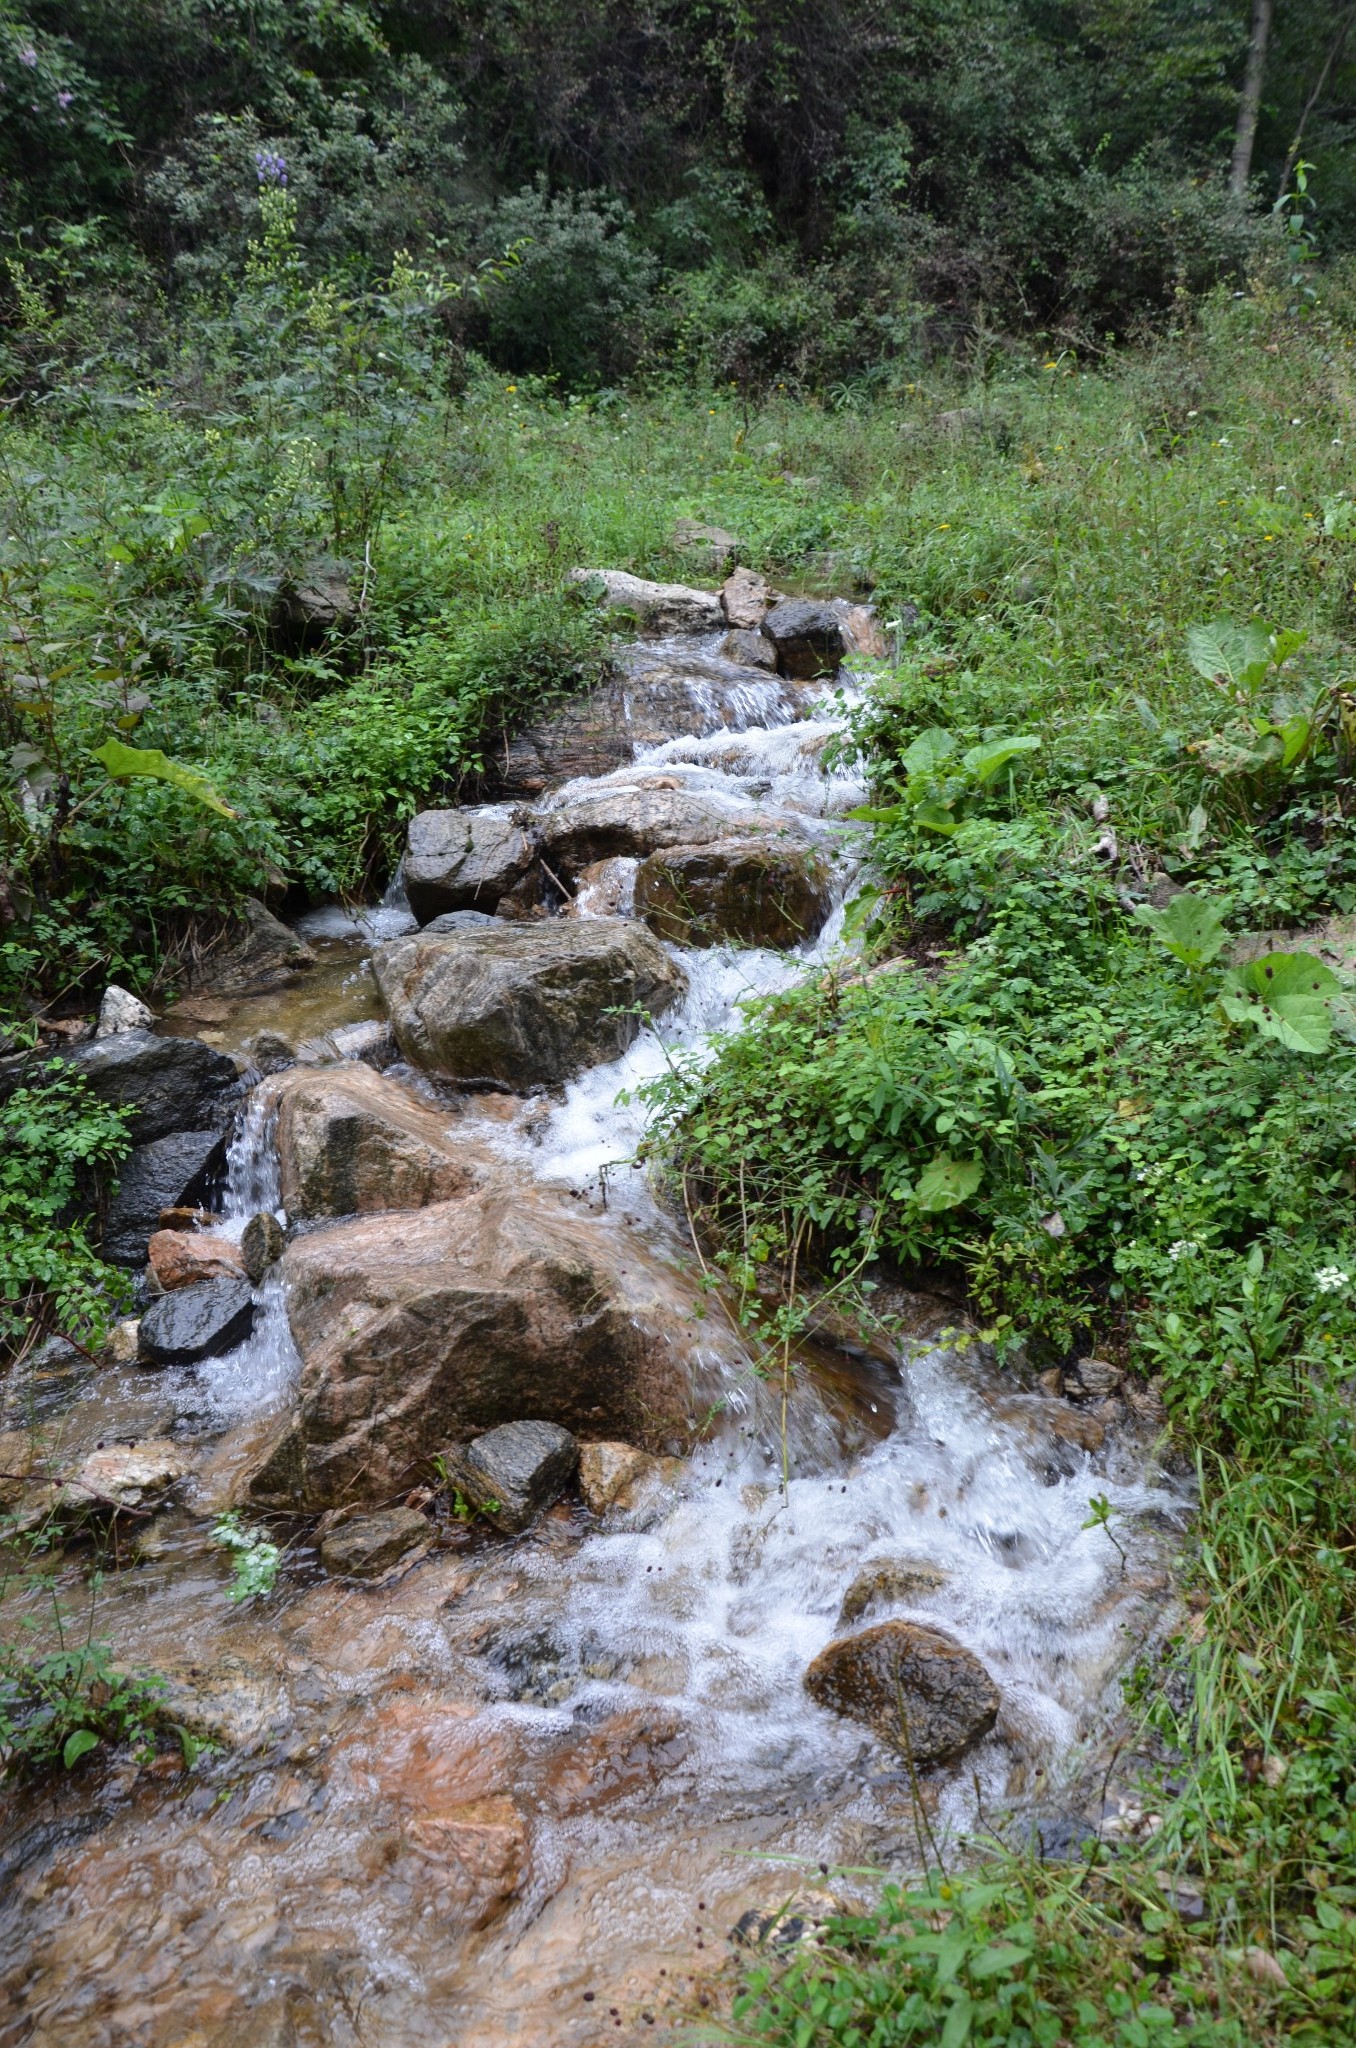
<point>59,1705</point>
<point>574,305</point>
<point>56,1141</point>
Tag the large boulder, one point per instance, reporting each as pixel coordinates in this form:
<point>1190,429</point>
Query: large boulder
<point>638,817</point>
<point>426,1330</point>
<point>169,1173</point>
<point>809,637</point>
<point>169,1084</point>
<point>754,892</point>
<point>917,1688</point>
<point>351,1140</point>
<point>463,860</point>
<point>745,599</point>
<point>656,607</point>
<point>196,1322</point>
<point>527,1005</point>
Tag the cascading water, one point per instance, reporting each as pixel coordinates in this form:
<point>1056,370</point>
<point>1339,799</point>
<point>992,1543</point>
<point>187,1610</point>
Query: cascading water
<point>590,1728</point>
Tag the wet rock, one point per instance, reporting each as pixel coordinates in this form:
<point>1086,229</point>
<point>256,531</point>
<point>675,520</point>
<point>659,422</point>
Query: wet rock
<point>350,1141</point>
<point>745,599</point>
<point>809,637</point>
<point>523,1006</point>
<point>621,1478</point>
<point>127,1476</point>
<point>889,1579</point>
<point>862,629</point>
<point>169,1084</point>
<point>370,1545</point>
<point>511,1473</point>
<point>196,1322</point>
<point>754,892</point>
<point>21,1455</point>
<point>463,859</point>
<point>122,1011</point>
<point>368,1042</point>
<point>750,650</point>
<point>234,1704</point>
<point>174,1172</point>
<point>121,1347</point>
<point>268,1052</point>
<point>638,818</point>
<point>916,1688</point>
<point>656,607</point>
<point>263,954</point>
<point>1092,1379</point>
<point>183,1258</point>
<point>429,1328</point>
<point>606,888</point>
<point>261,1244</point>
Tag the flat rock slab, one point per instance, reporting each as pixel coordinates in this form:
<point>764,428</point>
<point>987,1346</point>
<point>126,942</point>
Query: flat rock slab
<point>639,818</point>
<point>523,1006</point>
<point>916,1688</point>
<point>128,1476</point>
<point>656,607</point>
<point>511,1473</point>
<point>169,1084</point>
<point>751,892</point>
<point>196,1322</point>
<point>173,1172</point>
<point>351,1141</point>
<point>464,859</point>
<point>371,1545</point>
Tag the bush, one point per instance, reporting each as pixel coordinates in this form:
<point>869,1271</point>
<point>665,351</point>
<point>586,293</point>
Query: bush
<point>574,305</point>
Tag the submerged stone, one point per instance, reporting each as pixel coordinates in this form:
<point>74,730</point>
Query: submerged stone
<point>369,1545</point>
<point>511,1473</point>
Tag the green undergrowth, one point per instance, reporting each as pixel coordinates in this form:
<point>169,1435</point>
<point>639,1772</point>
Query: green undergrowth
<point>1096,1060</point>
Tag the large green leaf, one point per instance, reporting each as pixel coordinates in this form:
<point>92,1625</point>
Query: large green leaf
<point>123,761</point>
<point>930,751</point>
<point>77,1745</point>
<point>1287,996</point>
<point>1228,653</point>
<point>986,761</point>
<point>1189,927</point>
<point>947,1182</point>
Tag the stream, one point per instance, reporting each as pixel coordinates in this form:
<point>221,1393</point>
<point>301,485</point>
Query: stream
<point>522,1792</point>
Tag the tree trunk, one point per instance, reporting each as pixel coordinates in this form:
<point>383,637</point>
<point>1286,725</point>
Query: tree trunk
<point>1250,99</point>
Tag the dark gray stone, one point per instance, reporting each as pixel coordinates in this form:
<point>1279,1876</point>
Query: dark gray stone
<point>916,1688</point>
<point>196,1322</point>
<point>170,1084</point>
<point>808,637</point>
<point>511,1473</point>
<point>749,648</point>
<point>369,1545</point>
<point>170,1173</point>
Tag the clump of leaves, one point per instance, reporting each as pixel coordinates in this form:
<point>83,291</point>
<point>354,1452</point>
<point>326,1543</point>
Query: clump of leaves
<point>58,1705</point>
<point>257,1558</point>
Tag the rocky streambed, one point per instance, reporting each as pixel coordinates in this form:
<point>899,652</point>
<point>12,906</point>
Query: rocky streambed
<point>519,1738</point>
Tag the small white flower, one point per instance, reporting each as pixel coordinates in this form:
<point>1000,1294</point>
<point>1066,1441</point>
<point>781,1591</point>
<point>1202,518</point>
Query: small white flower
<point>1331,1279</point>
<point>1181,1248</point>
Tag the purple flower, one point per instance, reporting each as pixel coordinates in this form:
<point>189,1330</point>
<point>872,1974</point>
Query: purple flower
<point>28,57</point>
<point>271,166</point>
<point>64,99</point>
